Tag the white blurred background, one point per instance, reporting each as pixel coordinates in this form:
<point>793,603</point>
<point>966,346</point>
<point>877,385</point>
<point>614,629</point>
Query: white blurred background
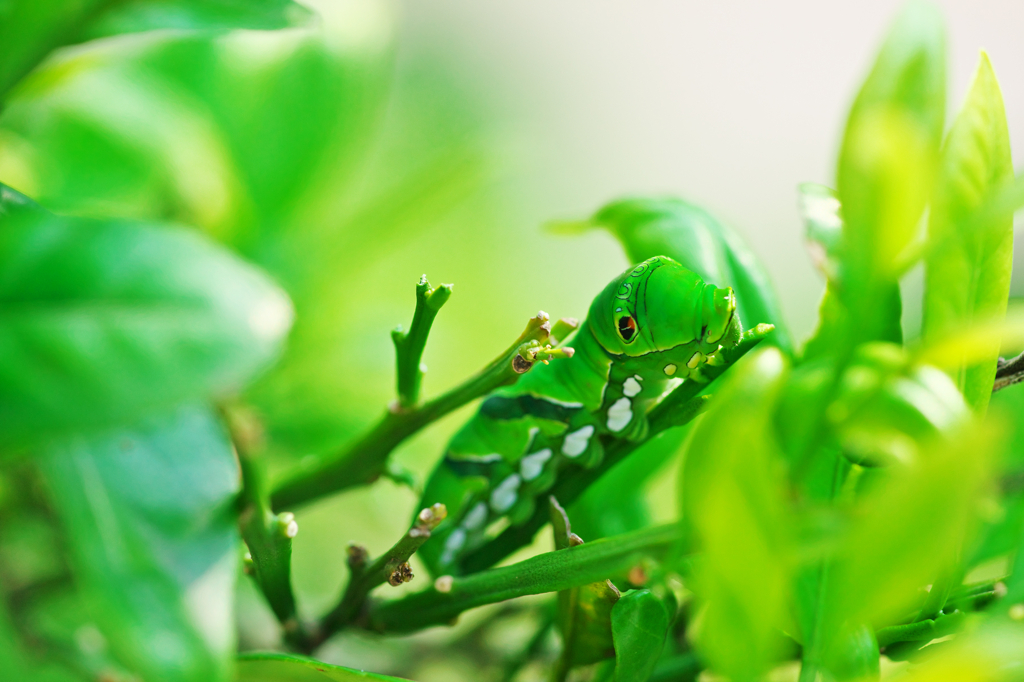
<point>728,104</point>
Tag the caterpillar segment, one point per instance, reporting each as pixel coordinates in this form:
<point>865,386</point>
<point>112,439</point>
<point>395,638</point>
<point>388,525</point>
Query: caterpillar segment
<point>655,323</point>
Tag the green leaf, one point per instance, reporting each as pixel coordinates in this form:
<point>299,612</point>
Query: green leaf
<point>823,232</point>
<point>886,168</point>
<point>967,269</point>
<point>823,226</point>
<point>734,507</point>
<point>260,667</point>
<point>134,16</point>
<point>13,202</point>
<point>30,30</point>
<point>907,532</point>
<point>694,238</point>
<point>856,656</point>
<point>106,321</point>
<point>640,624</point>
<point>148,514</point>
<point>584,612</point>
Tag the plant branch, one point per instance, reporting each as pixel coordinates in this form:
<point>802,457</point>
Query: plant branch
<point>1008,372</point>
<point>923,630</point>
<point>392,567</point>
<point>267,535</point>
<point>409,345</point>
<point>365,460</point>
<point>549,572</point>
<point>680,407</point>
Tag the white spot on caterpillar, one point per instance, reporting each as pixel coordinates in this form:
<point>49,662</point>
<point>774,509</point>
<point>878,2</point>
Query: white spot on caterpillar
<point>504,496</point>
<point>694,360</point>
<point>631,387</point>
<point>531,465</point>
<point>638,377</point>
<point>554,401</point>
<point>453,544</point>
<point>483,459</point>
<point>576,442</point>
<point>476,517</point>
<point>619,414</point>
<point>670,369</point>
<point>444,584</point>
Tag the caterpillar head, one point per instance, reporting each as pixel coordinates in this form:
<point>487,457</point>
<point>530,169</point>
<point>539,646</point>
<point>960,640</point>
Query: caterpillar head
<point>659,306</point>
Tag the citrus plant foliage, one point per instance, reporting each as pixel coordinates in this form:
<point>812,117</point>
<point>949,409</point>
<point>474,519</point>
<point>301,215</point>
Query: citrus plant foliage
<point>171,286</point>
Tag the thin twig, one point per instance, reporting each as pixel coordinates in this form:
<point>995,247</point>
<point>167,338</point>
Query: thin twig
<point>392,567</point>
<point>1008,372</point>
<point>366,459</point>
<point>549,572</point>
<point>409,345</point>
<point>267,535</point>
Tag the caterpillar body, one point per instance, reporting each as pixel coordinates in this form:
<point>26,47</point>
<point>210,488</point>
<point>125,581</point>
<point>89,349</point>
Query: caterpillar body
<point>656,322</point>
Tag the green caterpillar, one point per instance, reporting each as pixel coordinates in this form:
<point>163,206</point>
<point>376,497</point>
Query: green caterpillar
<point>656,322</point>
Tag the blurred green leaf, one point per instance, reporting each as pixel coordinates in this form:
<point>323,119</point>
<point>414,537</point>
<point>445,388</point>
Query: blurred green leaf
<point>306,151</point>
<point>105,321</point>
<point>1003,531</point>
<point>856,657</point>
<point>694,238</point>
<point>13,202</point>
<point>886,168</point>
<point>967,270</point>
<point>993,652</point>
<point>823,226</point>
<point>733,505</point>
<point>134,16</point>
<point>259,667</point>
<point>640,624</point>
<point>149,518</point>
<point>30,30</point>
<point>584,612</point>
<point>886,409</point>
<point>908,532</point>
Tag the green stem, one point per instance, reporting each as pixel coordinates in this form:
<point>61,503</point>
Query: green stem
<point>387,568</point>
<point>550,572</point>
<point>922,630</point>
<point>409,346</point>
<point>680,407</point>
<point>364,461</point>
<point>267,535</point>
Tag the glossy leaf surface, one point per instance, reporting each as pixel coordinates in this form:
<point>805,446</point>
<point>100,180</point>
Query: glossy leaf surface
<point>640,623</point>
